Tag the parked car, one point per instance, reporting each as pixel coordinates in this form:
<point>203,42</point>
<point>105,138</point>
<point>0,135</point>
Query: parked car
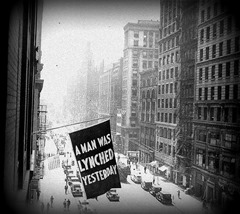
<point>146,185</point>
<point>164,197</point>
<point>72,179</point>
<point>137,176</point>
<point>112,195</point>
<point>155,189</point>
<point>76,189</point>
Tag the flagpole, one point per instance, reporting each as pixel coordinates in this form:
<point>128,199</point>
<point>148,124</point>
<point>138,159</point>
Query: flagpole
<point>72,124</point>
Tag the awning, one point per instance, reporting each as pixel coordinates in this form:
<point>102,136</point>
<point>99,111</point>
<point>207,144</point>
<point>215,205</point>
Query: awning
<point>163,168</point>
<point>154,163</point>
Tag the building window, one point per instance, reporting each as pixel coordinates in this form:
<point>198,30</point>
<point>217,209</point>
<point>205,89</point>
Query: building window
<point>237,44</point>
<point>208,34</point>
<point>206,73</point>
<point>166,117</point>
<point>202,16</point>
<point>207,53</point>
<point>212,93</point>
<point>205,113</point>
<point>235,91</point>
<point>199,111</point>
<point>229,46</point>
<point>220,71</point>
<point>199,93</point>
<point>228,69</point>
<point>221,29</point>
<point>200,74</point>
<point>226,114</point>
<point>136,35</point>
<point>202,136</point>
<point>213,72</point>
<point>135,43</point>
<point>208,12</point>
<point>171,87</point>
<point>234,115</point>
<point>236,67</point>
<point>220,48</point>
<point>218,113</point>
<point>219,92</point>
<point>214,30</point>
<point>150,64</point>
<point>213,51</point>
<point>201,54</point>
<point>170,102</point>
<point>206,93</point>
<point>144,64</point>
<point>167,74</point>
<point>211,114</point>
<point>202,36</point>
<point>227,92</point>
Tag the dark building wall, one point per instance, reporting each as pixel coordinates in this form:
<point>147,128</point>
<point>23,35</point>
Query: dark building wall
<point>19,96</point>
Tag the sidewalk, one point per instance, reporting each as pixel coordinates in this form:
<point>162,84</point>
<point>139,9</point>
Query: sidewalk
<point>186,203</point>
<point>53,184</point>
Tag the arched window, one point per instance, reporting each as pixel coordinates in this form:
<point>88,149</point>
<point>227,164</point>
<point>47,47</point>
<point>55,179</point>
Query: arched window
<point>153,94</point>
<point>148,94</point>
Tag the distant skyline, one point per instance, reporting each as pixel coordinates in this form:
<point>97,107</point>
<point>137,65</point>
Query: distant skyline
<point>67,27</point>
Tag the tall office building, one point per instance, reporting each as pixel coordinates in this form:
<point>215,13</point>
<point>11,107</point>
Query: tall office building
<point>216,161</point>
<point>140,53</point>
<point>169,71</point>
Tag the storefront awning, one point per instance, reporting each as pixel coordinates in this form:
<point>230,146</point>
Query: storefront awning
<point>154,163</point>
<point>163,168</point>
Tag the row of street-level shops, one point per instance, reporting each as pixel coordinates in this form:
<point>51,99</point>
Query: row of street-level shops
<point>215,189</point>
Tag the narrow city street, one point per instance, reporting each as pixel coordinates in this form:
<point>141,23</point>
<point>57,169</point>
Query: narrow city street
<point>133,199</point>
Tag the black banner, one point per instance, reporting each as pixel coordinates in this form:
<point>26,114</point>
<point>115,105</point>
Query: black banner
<point>95,156</point>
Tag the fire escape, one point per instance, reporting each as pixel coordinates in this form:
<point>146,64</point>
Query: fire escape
<point>183,139</point>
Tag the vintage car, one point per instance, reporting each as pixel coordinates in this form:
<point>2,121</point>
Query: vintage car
<point>112,195</point>
<point>146,185</point>
<point>76,189</point>
<point>72,179</point>
<point>164,197</point>
<point>137,176</point>
<point>155,189</point>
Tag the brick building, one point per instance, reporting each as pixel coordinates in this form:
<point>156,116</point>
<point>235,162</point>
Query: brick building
<point>216,160</point>
<point>21,89</point>
<point>147,110</point>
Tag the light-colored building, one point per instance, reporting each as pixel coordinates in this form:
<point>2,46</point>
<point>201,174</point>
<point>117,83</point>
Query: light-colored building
<point>140,53</point>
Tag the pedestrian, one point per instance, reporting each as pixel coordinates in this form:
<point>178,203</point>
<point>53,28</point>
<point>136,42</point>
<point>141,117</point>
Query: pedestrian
<point>145,168</point>
<point>66,188</point>
<point>38,194</point>
<point>51,199</point>
<point>68,204</point>
<point>178,194</point>
<point>65,204</point>
<point>48,206</point>
<point>172,197</point>
<point>42,207</point>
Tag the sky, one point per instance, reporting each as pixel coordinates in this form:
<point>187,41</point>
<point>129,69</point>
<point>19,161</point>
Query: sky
<point>68,25</point>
